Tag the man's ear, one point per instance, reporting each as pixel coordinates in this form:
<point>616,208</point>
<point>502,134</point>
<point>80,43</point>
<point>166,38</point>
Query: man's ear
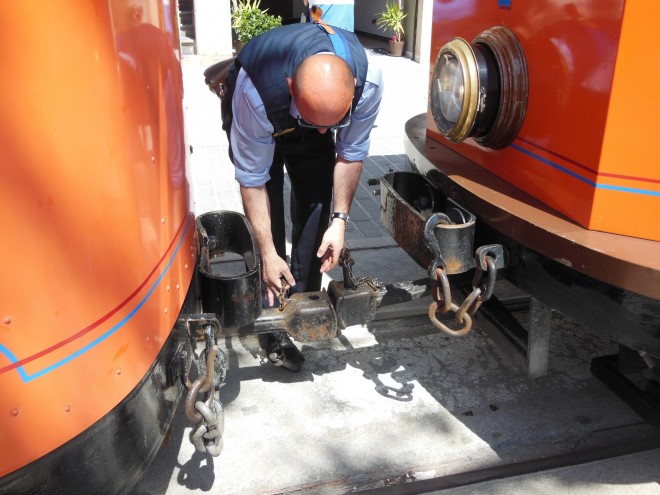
<point>289,81</point>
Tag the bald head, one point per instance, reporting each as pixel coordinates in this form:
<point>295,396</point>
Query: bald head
<point>323,87</point>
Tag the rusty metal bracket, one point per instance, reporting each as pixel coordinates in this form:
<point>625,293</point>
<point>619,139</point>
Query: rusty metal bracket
<point>494,251</point>
<point>354,306</point>
<point>450,238</point>
<point>413,209</point>
<point>195,325</point>
<point>307,316</point>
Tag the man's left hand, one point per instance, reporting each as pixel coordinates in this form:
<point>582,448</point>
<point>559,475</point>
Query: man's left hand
<point>331,245</point>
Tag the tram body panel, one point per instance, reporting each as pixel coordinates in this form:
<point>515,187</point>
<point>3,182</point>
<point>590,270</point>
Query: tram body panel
<point>584,147</point>
<point>100,246</point>
<point>540,124</point>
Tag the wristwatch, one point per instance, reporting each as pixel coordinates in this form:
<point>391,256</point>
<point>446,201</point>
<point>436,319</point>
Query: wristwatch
<point>340,216</point>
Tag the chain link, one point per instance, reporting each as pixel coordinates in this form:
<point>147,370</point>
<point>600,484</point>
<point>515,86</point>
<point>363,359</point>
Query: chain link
<point>284,293</point>
<point>466,321</point>
<point>207,414</point>
<point>442,301</point>
<point>346,261</point>
<point>440,282</point>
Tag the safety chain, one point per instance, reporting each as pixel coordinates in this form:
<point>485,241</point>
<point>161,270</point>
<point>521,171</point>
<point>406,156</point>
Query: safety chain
<point>207,412</point>
<point>284,293</point>
<point>346,262</point>
<point>482,290</point>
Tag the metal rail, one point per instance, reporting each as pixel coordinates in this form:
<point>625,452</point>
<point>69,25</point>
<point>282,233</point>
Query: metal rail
<point>405,485</point>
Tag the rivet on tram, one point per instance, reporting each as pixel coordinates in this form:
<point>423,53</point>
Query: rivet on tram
<point>14,412</point>
<point>7,320</point>
<point>67,408</point>
<point>118,371</point>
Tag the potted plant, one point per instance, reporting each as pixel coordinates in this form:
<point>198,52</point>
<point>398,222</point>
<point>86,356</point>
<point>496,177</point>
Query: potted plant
<point>391,19</point>
<point>249,20</point>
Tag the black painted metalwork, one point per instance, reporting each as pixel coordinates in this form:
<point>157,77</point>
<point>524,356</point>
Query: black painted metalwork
<point>235,297</point>
<point>641,394</point>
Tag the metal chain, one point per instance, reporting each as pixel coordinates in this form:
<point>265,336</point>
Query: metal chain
<point>207,414</point>
<point>284,288</point>
<point>440,282</point>
<point>370,281</point>
<point>480,293</point>
<point>346,261</point>
<point>466,321</point>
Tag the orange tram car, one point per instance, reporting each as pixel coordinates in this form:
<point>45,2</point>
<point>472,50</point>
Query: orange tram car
<point>535,163</point>
<point>100,246</point>
<point>539,142</point>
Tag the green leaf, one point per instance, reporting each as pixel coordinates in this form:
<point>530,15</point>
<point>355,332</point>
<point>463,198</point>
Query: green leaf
<point>391,19</point>
<point>249,20</point>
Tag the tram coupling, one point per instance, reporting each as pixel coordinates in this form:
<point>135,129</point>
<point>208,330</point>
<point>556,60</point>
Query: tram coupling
<point>230,300</point>
<point>444,240</point>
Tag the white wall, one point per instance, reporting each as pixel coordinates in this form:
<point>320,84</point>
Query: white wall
<point>424,29</point>
<point>213,27</point>
<point>365,12</point>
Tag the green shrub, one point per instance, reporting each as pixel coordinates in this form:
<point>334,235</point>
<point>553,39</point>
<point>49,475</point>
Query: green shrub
<point>248,20</point>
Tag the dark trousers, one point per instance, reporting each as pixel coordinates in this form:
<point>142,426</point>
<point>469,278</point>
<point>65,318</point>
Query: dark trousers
<point>309,160</point>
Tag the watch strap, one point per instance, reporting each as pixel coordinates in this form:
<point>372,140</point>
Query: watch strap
<point>340,216</point>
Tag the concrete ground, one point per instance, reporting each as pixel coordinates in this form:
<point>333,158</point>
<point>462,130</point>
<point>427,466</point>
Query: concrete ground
<point>394,399</point>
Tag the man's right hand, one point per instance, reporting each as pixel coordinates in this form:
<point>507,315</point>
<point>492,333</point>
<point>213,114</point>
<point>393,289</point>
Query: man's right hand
<point>255,202</point>
<point>273,268</point>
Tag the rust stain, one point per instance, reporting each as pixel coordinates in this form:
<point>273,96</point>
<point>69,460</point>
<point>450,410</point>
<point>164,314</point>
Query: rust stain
<point>120,351</point>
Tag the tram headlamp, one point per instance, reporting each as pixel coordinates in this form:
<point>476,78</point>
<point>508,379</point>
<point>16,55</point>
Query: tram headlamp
<point>450,89</point>
<point>479,90</point>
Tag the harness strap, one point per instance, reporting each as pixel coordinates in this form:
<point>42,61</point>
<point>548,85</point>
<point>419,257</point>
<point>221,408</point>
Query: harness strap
<point>338,42</point>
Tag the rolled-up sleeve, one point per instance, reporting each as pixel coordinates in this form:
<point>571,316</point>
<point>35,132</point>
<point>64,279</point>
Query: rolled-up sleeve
<point>353,141</point>
<point>251,135</point>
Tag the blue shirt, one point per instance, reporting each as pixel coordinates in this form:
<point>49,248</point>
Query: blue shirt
<point>338,13</point>
<point>251,134</point>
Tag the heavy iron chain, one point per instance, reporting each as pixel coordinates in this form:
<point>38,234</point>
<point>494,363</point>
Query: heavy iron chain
<point>442,301</point>
<point>346,262</point>
<point>284,293</point>
<point>207,414</point>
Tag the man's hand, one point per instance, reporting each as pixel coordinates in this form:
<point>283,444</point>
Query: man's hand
<point>331,245</point>
<point>273,268</point>
<point>255,202</point>
<point>345,179</point>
